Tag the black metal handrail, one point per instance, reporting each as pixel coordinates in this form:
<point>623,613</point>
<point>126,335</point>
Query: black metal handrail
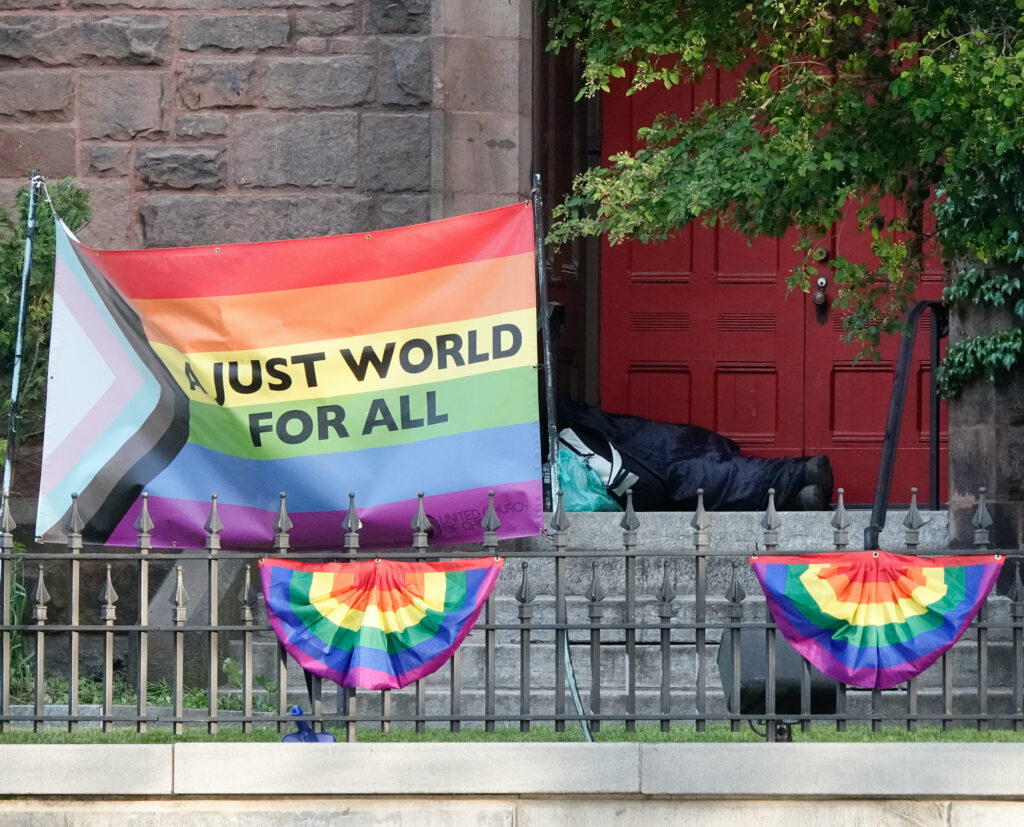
<point>940,328</point>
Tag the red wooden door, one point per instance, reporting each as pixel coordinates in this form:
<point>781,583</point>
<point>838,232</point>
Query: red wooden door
<point>700,329</point>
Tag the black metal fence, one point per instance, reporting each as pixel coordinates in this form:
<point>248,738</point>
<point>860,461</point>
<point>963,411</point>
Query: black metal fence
<point>570,637</point>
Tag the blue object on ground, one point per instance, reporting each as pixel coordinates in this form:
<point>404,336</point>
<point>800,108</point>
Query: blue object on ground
<point>305,732</point>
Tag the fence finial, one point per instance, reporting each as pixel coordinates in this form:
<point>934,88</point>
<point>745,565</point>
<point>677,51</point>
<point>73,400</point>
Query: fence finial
<point>7,524</point>
<point>352,525</point>
<point>595,591</point>
<point>282,525</point>
<point>40,597</point>
<point>73,527</point>
<point>144,525</point>
<point>420,525</point>
<point>912,522</point>
<point>108,597</point>
<point>525,594</point>
<point>1016,592</point>
<point>559,520</point>
<point>666,593</point>
<point>248,597</point>
<point>841,523</point>
<point>981,521</point>
<point>179,599</point>
<point>735,593</point>
<point>700,524</point>
<point>770,522</point>
<point>1016,595</point>
<point>213,526</point>
<point>490,524</point>
<point>630,521</point>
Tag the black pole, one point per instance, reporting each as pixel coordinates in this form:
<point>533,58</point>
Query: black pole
<point>895,420</point>
<point>548,365</point>
<point>35,184</point>
<point>940,329</point>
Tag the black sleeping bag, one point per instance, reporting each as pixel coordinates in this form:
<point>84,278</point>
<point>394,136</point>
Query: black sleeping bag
<point>674,461</point>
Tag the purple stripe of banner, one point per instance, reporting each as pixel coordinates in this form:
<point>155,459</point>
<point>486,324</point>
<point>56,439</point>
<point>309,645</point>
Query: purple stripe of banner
<point>455,518</point>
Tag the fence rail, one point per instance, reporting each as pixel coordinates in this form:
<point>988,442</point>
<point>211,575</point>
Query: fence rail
<point>569,637</point>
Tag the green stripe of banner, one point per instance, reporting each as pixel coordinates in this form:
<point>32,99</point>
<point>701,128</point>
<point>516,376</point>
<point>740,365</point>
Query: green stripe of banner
<point>403,415</point>
<point>338,637</point>
<point>877,635</point>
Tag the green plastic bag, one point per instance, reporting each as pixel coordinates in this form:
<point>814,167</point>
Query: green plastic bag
<point>582,489</point>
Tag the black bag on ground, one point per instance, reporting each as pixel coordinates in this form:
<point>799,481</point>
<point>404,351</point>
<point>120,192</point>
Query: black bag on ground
<point>673,461</point>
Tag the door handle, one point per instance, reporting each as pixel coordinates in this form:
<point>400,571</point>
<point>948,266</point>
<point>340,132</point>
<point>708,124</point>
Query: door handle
<point>820,299</point>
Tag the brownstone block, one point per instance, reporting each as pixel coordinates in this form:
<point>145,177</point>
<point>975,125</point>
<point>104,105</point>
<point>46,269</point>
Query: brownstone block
<point>29,5</point>
<point>201,125</point>
<point>181,220</point>
<point>55,39</point>
<point>325,23</point>
<point>212,5</point>
<point>401,211</point>
<point>318,82</point>
<point>48,150</point>
<point>394,152</point>
<point>405,73</point>
<point>120,106</point>
<point>110,225</point>
<point>218,82</point>
<point>233,32</point>
<point>398,16</point>
<point>182,168</point>
<point>303,150</point>
<point>36,95</point>
<point>106,160</point>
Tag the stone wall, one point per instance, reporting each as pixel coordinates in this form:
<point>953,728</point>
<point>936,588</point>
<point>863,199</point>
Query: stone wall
<point>513,785</point>
<point>986,446</point>
<point>206,121</point>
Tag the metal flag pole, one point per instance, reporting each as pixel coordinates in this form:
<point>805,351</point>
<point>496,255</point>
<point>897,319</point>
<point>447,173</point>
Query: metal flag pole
<point>35,184</point>
<point>549,400</point>
<point>548,365</point>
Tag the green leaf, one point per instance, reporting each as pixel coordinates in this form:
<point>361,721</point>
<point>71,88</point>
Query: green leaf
<point>233,672</point>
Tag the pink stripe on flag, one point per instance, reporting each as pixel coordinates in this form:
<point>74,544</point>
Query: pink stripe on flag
<point>125,384</point>
<point>455,519</point>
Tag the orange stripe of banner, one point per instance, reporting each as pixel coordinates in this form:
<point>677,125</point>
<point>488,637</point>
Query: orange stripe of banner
<point>876,591</point>
<point>914,575</point>
<point>269,266</point>
<point>842,572</point>
<point>263,320</point>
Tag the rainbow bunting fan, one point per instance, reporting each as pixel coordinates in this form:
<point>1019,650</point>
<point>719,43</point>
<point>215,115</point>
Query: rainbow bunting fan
<point>375,624</point>
<point>874,619</point>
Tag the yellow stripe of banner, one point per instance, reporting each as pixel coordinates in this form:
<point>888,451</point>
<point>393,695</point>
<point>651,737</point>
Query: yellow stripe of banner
<point>390,622</point>
<point>362,364</point>
<point>322,599</point>
<point>875,614</point>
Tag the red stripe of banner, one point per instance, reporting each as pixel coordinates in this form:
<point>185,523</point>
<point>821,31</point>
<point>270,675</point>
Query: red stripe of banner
<point>233,269</point>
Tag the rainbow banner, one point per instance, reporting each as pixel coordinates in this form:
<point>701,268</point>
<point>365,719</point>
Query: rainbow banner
<point>384,364</point>
<point>376,624</point>
<point>874,619</point>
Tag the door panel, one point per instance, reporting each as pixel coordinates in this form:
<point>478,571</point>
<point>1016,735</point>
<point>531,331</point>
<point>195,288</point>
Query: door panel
<point>710,342</point>
<point>700,329</point>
